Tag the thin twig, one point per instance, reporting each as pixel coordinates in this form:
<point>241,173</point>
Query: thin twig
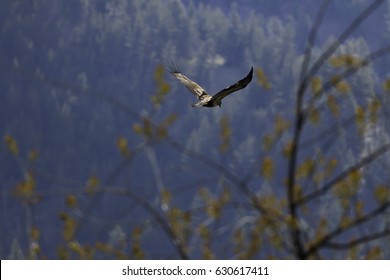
<point>358,241</point>
<point>312,37</point>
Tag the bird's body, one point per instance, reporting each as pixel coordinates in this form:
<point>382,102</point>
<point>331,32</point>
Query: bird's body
<point>206,100</point>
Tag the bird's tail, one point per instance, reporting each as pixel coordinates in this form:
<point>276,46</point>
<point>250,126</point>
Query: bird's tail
<point>199,104</point>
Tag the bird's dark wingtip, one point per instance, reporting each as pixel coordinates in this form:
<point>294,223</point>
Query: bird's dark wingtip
<point>250,75</point>
<point>173,68</point>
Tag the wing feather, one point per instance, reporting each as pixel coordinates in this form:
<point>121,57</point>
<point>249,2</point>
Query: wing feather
<point>237,86</point>
<point>193,87</point>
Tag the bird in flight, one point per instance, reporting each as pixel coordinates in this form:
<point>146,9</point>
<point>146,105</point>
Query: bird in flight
<point>206,100</point>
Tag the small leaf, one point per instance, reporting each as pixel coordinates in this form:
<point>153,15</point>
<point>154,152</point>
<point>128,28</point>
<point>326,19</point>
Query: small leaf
<point>360,117</point>
<point>335,81</point>
<point>204,232</point>
<point>276,240</point>
<point>187,216</point>
<point>305,168</point>
<point>35,233</point>
<point>314,116</point>
<point>225,134</point>
<point>359,208</point>
<point>262,79</point>
<point>238,240</point>
<point>137,232</point>
<point>170,119</point>
<point>12,146</point>
<point>298,192</point>
<point>214,209</point>
<point>71,201</point>
<point>92,184</point>
<point>268,142</point>
<point>287,149</point>
<point>321,229</point>
<point>386,85</point>
<point>163,88</point>
<point>333,106</point>
<point>75,247</point>
<point>62,252</point>
<point>161,132</point>
<point>373,108</point>
<point>165,196</point>
<point>348,187</point>
<point>381,193</point>
<point>355,177</point>
<point>137,128</point>
<point>281,125</point>
<point>336,62</point>
<point>267,168</point>
<point>32,155</point>
<point>316,85</point>
<point>374,253</point>
<point>344,60</point>
<point>26,189</point>
<point>343,87</point>
<point>292,222</point>
<point>69,228</point>
<point>159,72</point>
<point>351,60</point>
<point>122,146</point>
<point>207,253</point>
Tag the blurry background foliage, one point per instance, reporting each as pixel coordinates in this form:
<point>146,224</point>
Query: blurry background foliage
<point>104,158</point>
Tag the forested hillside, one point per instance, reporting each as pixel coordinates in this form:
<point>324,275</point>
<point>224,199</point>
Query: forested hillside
<point>104,157</point>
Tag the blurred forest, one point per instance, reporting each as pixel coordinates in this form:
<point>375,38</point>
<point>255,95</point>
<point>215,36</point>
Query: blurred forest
<point>103,156</point>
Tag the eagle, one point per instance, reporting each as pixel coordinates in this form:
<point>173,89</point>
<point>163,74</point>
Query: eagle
<point>206,100</point>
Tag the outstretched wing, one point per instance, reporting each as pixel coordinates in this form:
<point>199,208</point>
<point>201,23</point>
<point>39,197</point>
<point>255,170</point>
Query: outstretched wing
<point>237,86</point>
<point>196,89</point>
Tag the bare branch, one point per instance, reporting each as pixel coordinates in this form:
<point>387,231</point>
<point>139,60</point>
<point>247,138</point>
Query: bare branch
<point>345,74</point>
<point>358,241</point>
<point>300,115</point>
<point>341,229</point>
<point>312,37</point>
<point>363,162</point>
<point>175,240</point>
<point>295,231</point>
<point>327,132</point>
<point>123,192</point>
<point>343,36</point>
